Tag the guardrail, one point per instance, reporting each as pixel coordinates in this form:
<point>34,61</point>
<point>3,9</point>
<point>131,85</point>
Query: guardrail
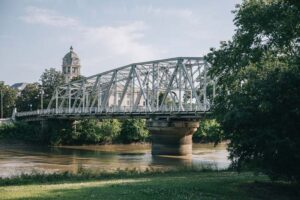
<point>113,109</point>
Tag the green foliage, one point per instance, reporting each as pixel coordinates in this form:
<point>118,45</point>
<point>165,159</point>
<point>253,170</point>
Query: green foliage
<point>95,131</point>
<point>9,99</point>
<point>88,131</point>
<point>258,99</point>
<point>209,131</point>
<point>50,80</point>
<point>133,130</point>
<point>20,131</point>
<point>110,130</point>
<point>30,95</point>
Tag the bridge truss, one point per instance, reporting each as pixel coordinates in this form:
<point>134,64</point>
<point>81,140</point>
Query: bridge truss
<point>161,87</point>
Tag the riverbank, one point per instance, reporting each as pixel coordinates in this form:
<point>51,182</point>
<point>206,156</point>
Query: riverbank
<point>179,184</point>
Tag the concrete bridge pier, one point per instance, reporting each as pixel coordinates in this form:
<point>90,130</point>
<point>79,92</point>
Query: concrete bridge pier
<point>172,137</point>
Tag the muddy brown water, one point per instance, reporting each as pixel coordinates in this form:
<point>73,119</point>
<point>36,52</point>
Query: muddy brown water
<point>16,159</point>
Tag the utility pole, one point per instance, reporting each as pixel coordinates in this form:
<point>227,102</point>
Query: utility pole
<point>42,97</point>
<point>1,103</point>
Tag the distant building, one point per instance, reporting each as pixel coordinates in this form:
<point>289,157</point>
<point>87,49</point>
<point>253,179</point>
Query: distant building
<point>71,65</point>
<point>114,99</point>
<point>19,86</point>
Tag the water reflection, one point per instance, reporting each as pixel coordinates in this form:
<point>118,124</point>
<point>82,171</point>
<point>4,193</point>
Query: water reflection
<point>17,159</point>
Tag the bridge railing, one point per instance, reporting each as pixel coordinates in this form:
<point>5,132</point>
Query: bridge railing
<point>113,109</point>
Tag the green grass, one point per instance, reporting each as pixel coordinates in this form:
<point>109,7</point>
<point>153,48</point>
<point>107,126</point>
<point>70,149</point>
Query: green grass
<point>180,184</point>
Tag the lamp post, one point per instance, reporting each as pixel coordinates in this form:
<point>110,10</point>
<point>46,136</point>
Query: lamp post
<point>30,105</point>
<point>1,103</point>
<point>42,98</point>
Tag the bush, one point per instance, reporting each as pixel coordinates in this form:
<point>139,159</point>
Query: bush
<point>92,131</point>
<point>133,130</point>
<point>209,131</point>
<point>20,131</point>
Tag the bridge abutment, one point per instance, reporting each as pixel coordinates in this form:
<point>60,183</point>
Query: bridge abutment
<point>172,137</point>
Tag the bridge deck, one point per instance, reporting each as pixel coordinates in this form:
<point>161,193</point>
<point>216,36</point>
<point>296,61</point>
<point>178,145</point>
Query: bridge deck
<point>94,113</point>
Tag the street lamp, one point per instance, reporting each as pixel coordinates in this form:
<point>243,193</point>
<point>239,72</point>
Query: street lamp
<point>30,105</point>
<point>42,98</point>
<point>1,103</point>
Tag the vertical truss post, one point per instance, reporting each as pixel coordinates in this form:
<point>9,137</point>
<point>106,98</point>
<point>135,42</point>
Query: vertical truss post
<point>180,88</point>
<point>132,89</point>
<point>191,91</point>
<point>153,86</point>
<point>99,95</point>
<point>157,88</point>
<point>115,91</point>
<point>87,100</point>
<point>147,91</point>
<point>56,100</point>
<point>69,95</point>
<point>94,93</point>
<point>205,86</point>
<point>83,99</point>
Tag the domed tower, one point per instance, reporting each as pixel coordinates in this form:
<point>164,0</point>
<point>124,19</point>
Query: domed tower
<point>71,65</point>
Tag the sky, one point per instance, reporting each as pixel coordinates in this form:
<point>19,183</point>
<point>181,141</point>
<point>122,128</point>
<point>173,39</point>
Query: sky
<point>36,34</point>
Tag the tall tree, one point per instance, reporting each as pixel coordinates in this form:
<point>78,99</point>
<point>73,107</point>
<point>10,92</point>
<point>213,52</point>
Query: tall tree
<point>50,80</point>
<point>8,99</point>
<point>258,103</point>
<point>29,98</point>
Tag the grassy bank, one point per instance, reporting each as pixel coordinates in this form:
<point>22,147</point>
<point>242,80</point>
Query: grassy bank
<point>181,184</point>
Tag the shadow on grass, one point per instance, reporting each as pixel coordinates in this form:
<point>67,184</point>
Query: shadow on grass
<point>272,190</point>
<point>173,186</point>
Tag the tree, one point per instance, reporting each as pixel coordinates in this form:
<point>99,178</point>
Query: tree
<point>258,90</point>
<point>133,130</point>
<point>209,131</point>
<point>109,130</point>
<point>9,98</point>
<point>50,80</point>
<point>29,98</point>
<point>90,131</point>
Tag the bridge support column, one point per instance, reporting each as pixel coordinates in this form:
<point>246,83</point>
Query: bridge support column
<point>172,137</point>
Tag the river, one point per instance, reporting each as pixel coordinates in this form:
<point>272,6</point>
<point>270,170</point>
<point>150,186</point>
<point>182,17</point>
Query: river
<point>16,159</point>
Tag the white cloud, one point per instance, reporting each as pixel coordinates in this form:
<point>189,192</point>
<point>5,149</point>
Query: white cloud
<point>120,40</point>
<point>184,14</point>
<point>35,15</point>
<point>123,41</point>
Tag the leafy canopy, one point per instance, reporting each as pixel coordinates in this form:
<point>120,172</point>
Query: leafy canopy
<point>29,98</point>
<point>9,96</point>
<point>258,103</point>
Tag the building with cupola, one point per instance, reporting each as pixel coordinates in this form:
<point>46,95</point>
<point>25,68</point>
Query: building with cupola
<point>71,65</point>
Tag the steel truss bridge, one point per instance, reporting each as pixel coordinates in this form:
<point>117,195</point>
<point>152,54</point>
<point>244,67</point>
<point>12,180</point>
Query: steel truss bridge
<point>169,88</point>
